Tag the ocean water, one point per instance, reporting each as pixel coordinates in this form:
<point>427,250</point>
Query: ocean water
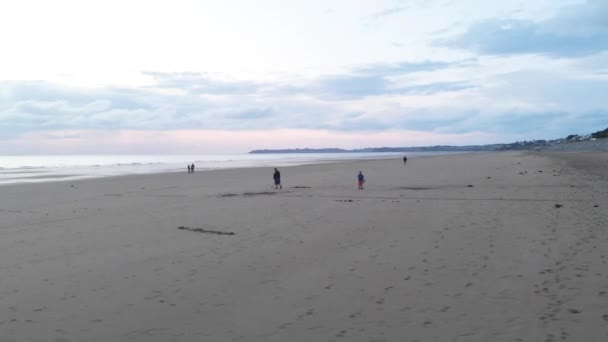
<point>37,168</point>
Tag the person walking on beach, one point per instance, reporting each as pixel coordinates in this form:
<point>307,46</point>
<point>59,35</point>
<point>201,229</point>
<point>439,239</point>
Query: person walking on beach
<point>361,180</point>
<point>404,160</point>
<point>277,179</point>
<point>192,168</point>
<point>189,168</point>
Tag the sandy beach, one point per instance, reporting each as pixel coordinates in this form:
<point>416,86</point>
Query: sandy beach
<point>474,247</point>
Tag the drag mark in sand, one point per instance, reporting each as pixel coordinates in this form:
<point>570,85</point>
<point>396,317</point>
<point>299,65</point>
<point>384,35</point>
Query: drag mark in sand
<point>10,211</point>
<point>167,195</point>
<point>208,231</point>
<point>249,194</point>
<point>415,188</point>
<point>431,187</point>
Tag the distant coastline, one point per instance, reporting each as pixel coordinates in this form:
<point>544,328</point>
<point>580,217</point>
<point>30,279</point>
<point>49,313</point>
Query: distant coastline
<point>537,145</point>
<point>440,148</point>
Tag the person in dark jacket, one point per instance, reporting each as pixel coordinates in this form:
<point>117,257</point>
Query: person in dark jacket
<point>277,179</point>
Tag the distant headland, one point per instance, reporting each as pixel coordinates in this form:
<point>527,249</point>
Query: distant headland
<point>595,141</point>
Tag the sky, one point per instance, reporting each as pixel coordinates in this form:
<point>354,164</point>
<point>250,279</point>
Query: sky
<point>188,76</point>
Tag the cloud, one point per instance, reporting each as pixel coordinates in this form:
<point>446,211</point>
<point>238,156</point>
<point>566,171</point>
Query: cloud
<point>403,6</point>
<point>524,96</point>
<point>44,106</point>
<point>428,121</point>
<point>201,83</point>
<point>575,30</point>
<point>252,114</point>
<point>435,88</point>
<point>387,69</point>
<point>365,81</point>
<point>531,125</point>
<point>34,106</point>
<point>337,103</point>
<point>349,87</point>
<point>378,79</point>
<point>389,11</point>
<point>550,91</point>
<point>47,107</point>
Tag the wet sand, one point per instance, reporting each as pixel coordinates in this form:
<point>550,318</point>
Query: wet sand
<point>475,247</point>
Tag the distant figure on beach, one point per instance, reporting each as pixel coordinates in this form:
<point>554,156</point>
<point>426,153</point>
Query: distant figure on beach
<point>361,180</point>
<point>277,179</point>
<point>404,160</point>
<point>192,168</point>
<point>189,168</point>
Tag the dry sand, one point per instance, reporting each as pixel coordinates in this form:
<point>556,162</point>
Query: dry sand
<point>419,255</point>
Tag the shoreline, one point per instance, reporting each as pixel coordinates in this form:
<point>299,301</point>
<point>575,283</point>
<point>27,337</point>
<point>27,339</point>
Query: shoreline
<point>44,177</point>
<point>74,168</point>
